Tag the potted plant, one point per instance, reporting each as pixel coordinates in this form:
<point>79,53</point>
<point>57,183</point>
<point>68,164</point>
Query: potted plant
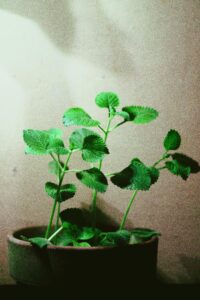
<point>75,246</point>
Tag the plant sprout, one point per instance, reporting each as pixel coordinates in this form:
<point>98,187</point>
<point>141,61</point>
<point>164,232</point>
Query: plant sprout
<point>75,226</point>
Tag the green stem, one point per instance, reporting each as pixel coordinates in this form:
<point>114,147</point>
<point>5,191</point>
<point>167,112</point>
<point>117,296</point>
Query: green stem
<point>119,124</point>
<point>127,210</point>
<point>72,170</point>
<point>57,195</point>
<point>58,215</point>
<point>94,195</point>
<point>110,174</point>
<point>57,161</point>
<point>161,159</point>
<point>51,219</point>
<point>101,129</point>
<point>161,168</point>
<point>55,233</point>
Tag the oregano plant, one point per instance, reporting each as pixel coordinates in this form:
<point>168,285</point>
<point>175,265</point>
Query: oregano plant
<point>79,227</point>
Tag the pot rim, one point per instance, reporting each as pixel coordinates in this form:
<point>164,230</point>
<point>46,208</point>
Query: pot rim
<point>13,239</point>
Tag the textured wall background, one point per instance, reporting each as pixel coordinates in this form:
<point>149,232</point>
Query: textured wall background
<point>57,54</point>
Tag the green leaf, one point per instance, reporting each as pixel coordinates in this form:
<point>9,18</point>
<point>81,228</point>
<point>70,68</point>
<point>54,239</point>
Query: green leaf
<point>123,114</point>
<point>135,240</point>
<point>118,238</point>
<point>51,189</point>
<point>55,132</point>
<point>73,216</point>
<point>172,140</point>
<point>107,100</point>
<point>154,174</point>
<point>57,146</point>
<point>140,114</point>
<point>64,238</point>
<point>87,233</point>
<point>90,143</point>
<point>37,141</point>
<point>144,233</point>
<point>187,161</point>
<point>66,191</point>
<point>38,241</point>
<point>81,244</point>
<point>42,142</point>
<point>94,179</point>
<point>134,177</point>
<point>78,136</point>
<point>177,169</point>
<point>124,178</point>
<point>94,148</point>
<point>77,116</point>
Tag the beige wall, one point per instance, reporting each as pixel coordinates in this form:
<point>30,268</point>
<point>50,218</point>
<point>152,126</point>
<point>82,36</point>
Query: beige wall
<point>57,54</point>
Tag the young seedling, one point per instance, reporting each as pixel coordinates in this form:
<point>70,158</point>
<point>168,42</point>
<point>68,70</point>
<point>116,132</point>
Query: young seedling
<point>74,226</point>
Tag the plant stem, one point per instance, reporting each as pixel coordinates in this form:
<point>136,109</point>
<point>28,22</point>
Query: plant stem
<point>110,174</point>
<point>58,194</point>
<point>94,194</point>
<point>127,210</point>
<point>58,215</point>
<point>57,161</point>
<point>101,128</point>
<point>51,219</point>
<point>72,170</point>
<point>55,233</point>
<point>161,159</point>
<point>119,124</point>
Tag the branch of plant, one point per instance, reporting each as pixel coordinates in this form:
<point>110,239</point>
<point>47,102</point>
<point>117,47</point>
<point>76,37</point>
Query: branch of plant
<point>160,160</point>
<point>58,194</point>
<point>55,233</point>
<point>72,170</point>
<point>57,161</point>
<point>101,129</point>
<point>94,194</point>
<point>135,193</point>
<point>123,222</point>
<point>119,124</point>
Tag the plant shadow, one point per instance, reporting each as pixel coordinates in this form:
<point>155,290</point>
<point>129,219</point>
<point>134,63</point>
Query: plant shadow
<point>61,21</point>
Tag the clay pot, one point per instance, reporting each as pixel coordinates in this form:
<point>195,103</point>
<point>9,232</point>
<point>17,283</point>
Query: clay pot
<point>80,266</point>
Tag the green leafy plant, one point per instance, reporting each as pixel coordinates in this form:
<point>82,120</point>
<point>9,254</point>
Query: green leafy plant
<point>76,227</point>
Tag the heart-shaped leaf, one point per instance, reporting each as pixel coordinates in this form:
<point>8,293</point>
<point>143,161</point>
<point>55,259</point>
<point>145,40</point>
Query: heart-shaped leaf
<point>140,114</point>
<point>37,241</point>
<point>94,148</point>
<point>42,142</point>
<point>144,233</point>
<point>186,161</point>
<point>115,238</point>
<point>65,192</point>
<point>73,216</point>
<point>172,141</point>
<point>94,179</point>
<point>77,116</point>
<point>135,177</point>
<point>177,169</point>
<point>78,136</point>
<point>107,100</point>
<point>154,174</point>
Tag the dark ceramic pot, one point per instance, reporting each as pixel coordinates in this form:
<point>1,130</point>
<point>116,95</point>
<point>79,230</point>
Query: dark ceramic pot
<point>80,266</point>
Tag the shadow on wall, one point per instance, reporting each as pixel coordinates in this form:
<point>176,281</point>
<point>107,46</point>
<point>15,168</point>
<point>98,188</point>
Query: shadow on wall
<point>191,275</point>
<point>106,213</point>
<point>192,269</point>
<point>54,17</point>
<point>82,29</point>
